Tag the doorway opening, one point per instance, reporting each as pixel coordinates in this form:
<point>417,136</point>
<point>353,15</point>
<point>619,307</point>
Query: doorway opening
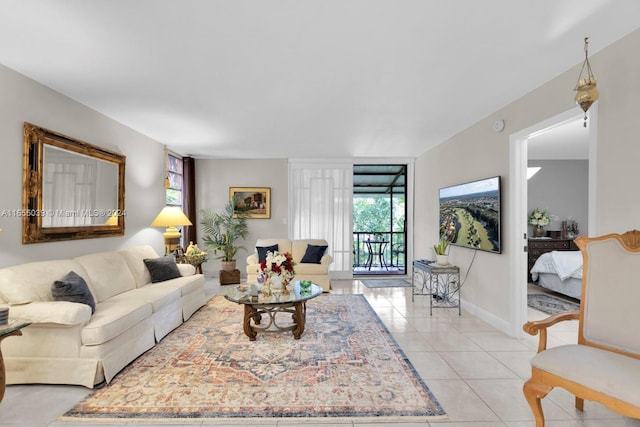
<point>519,234</point>
<point>379,219</point>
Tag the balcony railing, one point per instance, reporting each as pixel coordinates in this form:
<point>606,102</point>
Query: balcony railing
<point>393,252</point>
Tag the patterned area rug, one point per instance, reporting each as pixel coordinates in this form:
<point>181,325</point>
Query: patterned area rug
<point>385,283</point>
<point>550,304</point>
<point>346,364</point>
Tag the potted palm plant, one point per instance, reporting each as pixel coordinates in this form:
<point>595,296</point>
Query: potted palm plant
<point>222,230</point>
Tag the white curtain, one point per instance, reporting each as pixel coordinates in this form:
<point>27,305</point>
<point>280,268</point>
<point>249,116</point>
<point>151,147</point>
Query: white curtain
<point>320,207</point>
<point>68,190</point>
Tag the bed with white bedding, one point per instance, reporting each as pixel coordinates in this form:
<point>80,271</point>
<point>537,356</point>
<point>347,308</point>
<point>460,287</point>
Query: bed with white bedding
<point>559,271</point>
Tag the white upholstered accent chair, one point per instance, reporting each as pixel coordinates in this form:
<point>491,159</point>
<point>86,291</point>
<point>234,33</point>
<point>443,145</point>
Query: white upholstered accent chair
<point>604,366</point>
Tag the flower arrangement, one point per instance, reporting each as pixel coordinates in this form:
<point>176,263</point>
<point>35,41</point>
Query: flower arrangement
<point>193,254</point>
<point>278,264</point>
<point>539,218</point>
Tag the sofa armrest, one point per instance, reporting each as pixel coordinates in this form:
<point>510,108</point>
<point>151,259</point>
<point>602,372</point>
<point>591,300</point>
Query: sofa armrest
<point>326,260</point>
<point>252,259</point>
<point>58,312</point>
<point>186,269</point>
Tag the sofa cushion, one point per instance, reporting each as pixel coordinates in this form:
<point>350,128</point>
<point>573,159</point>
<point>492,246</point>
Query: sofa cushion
<point>134,257</point>
<point>162,268</point>
<point>114,317</point>
<point>56,312</point>
<point>12,291</point>
<point>284,245</point>
<point>310,269</point>
<point>158,296</point>
<point>314,254</point>
<point>32,281</point>
<point>73,288</point>
<point>263,251</point>
<point>109,274</point>
<point>186,284</point>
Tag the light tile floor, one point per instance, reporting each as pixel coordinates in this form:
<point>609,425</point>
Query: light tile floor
<point>475,371</point>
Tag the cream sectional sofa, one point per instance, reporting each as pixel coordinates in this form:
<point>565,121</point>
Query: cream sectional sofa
<point>66,343</point>
<point>317,273</point>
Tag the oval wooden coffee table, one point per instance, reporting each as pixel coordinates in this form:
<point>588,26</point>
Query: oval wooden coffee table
<point>293,303</point>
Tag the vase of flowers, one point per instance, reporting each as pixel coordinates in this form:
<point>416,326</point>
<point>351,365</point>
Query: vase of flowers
<point>539,218</point>
<point>278,267</point>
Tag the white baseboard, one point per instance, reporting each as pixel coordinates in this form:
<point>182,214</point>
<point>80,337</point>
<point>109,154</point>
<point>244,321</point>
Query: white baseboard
<point>493,320</point>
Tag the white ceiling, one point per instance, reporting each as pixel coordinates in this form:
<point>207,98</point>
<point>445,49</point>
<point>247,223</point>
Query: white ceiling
<point>303,78</point>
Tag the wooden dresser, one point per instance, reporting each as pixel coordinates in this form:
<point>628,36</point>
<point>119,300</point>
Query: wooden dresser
<point>539,246</point>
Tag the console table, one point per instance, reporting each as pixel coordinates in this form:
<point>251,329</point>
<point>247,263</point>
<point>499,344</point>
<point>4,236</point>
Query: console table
<point>441,283</point>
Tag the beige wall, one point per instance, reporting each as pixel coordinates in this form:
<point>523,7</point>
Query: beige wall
<point>25,100</point>
<point>476,153</point>
<point>479,152</point>
<point>213,179</point>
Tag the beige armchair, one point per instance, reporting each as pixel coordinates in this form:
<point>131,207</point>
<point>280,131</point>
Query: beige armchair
<point>318,273</point>
<point>604,366</point>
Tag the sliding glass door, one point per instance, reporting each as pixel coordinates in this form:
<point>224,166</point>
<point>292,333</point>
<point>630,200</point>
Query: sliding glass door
<point>379,218</point>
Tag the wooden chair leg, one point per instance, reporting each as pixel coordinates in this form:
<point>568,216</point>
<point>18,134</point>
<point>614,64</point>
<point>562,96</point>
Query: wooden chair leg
<point>534,392</point>
<point>579,404</point>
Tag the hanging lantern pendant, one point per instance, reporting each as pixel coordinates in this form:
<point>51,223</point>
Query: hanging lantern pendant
<point>586,90</point>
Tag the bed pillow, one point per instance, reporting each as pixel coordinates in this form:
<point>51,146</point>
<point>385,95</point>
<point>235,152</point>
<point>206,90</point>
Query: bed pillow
<point>73,288</point>
<point>162,268</point>
<point>313,254</point>
<point>264,250</point>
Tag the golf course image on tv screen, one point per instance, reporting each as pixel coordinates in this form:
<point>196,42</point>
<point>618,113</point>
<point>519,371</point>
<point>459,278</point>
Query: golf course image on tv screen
<point>470,214</point>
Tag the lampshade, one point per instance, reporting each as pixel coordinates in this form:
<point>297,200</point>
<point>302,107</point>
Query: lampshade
<point>170,216</point>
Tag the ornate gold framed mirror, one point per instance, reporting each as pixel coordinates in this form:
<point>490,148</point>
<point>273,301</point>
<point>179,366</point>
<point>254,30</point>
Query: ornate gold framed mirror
<point>71,189</point>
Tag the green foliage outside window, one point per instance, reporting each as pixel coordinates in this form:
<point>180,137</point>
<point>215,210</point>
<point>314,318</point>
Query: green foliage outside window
<point>373,214</point>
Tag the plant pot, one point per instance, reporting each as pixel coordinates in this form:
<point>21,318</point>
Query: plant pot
<point>538,231</point>
<point>228,265</point>
<point>442,259</point>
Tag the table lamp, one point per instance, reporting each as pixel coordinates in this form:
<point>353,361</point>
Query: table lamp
<point>170,217</point>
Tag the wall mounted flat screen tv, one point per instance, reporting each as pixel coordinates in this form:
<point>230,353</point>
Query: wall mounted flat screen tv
<point>470,214</point>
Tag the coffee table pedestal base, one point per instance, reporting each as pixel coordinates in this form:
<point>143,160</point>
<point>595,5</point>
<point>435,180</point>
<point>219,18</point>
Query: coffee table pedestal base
<point>298,311</point>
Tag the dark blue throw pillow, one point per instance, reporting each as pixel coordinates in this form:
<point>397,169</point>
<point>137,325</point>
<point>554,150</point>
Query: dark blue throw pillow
<point>73,288</point>
<point>313,254</point>
<point>264,250</point>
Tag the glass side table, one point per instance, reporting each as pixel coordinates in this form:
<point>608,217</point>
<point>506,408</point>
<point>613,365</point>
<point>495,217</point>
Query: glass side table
<point>10,329</point>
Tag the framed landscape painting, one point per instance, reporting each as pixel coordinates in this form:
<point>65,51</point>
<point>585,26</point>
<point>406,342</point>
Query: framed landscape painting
<point>255,201</point>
